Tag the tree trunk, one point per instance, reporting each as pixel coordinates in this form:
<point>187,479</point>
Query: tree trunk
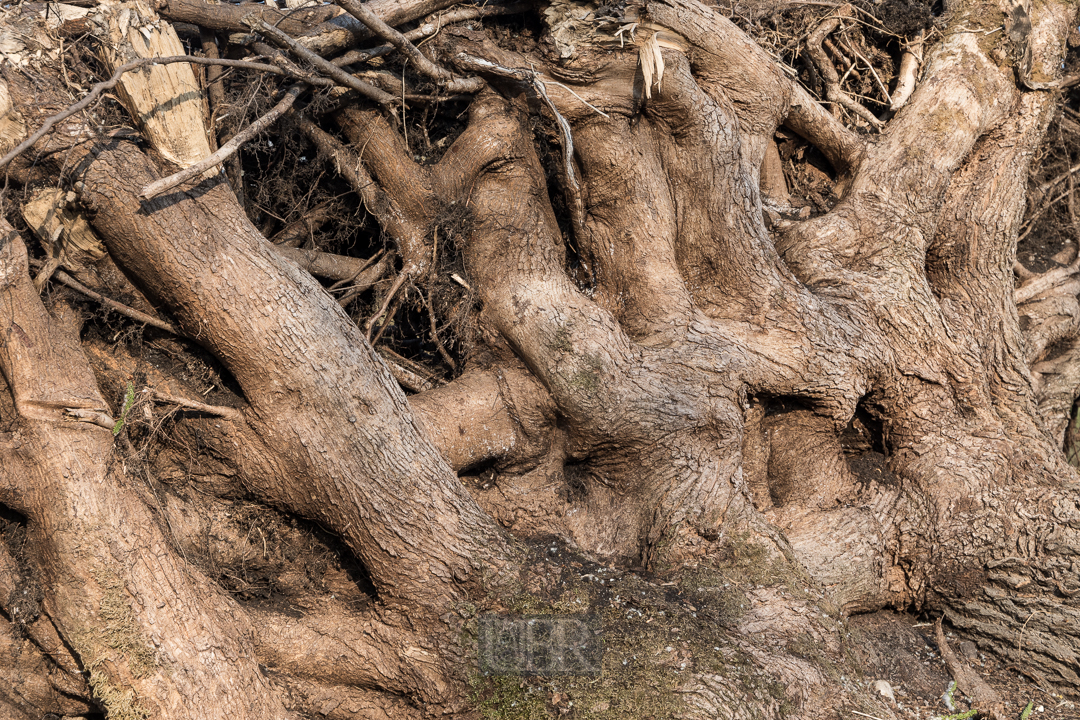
<point>667,375</point>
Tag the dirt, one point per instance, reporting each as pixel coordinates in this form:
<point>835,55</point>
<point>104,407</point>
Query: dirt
<point>901,650</point>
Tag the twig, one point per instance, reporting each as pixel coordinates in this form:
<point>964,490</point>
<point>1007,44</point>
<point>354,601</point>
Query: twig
<point>228,149</point>
<point>389,314</point>
<point>378,26</point>
<point>346,162</point>
<point>386,303</point>
<point>226,412</point>
<point>833,92</point>
<point>435,331</point>
<point>430,27</point>
<point>65,279</point>
<point>881,86</point>
<point>337,74</point>
<point>101,87</point>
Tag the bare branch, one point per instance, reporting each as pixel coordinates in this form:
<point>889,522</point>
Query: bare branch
<point>909,69</point>
<point>1050,279</point>
<point>226,412</point>
<point>64,279</point>
<point>364,14</point>
<point>333,71</point>
<point>832,81</point>
<point>431,26</point>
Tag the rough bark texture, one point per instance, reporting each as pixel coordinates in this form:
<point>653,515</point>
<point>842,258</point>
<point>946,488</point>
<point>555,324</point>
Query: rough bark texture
<point>672,378</point>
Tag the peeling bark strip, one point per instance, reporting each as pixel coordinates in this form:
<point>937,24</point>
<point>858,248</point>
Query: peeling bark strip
<point>672,398</point>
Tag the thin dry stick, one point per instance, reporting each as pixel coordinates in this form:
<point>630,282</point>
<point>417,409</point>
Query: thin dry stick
<point>370,261</point>
<point>226,412</point>
<point>101,87</point>
<point>333,71</point>
<point>430,27</point>
<point>881,86</point>
<point>833,92</point>
<point>65,279</point>
<point>346,162</point>
<point>389,314</point>
<point>378,26</point>
<point>228,149</point>
<point>435,331</point>
<point>386,303</point>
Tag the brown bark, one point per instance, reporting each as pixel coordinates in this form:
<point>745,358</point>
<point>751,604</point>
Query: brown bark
<point>689,405</point>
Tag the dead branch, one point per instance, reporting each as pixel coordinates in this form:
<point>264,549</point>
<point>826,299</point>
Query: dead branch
<point>431,26</point>
<point>64,279</point>
<point>1048,280</point>
<point>443,76</point>
<point>435,329</point>
<point>333,71</point>
<point>909,69</point>
<point>228,149</point>
<point>326,265</point>
<point>390,296</point>
<point>226,412</point>
<point>346,163</point>
<point>410,375</point>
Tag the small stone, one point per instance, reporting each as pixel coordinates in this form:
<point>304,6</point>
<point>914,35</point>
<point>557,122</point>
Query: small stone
<point>969,650</point>
<point>885,690</point>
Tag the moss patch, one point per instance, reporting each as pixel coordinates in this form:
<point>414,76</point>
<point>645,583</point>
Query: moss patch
<point>115,638</point>
<point>508,698</point>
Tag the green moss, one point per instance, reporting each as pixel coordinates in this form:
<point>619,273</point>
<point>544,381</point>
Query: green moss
<point>717,592</point>
<point>119,631</point>
<point>746,562</point>
<point>587,380</point>
<point>561,340</point>
<point>508,698</point>
<point>808,648</point>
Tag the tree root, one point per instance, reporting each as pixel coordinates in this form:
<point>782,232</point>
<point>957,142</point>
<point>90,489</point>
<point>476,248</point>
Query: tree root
<point>985,699</point>
<point>833,90</point>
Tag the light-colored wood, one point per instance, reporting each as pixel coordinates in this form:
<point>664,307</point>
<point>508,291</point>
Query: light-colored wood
<point>59,228</point>
<point>166,100</point>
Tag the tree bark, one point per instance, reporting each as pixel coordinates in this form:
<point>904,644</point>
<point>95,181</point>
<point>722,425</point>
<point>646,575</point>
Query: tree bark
<point>663,380</point>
